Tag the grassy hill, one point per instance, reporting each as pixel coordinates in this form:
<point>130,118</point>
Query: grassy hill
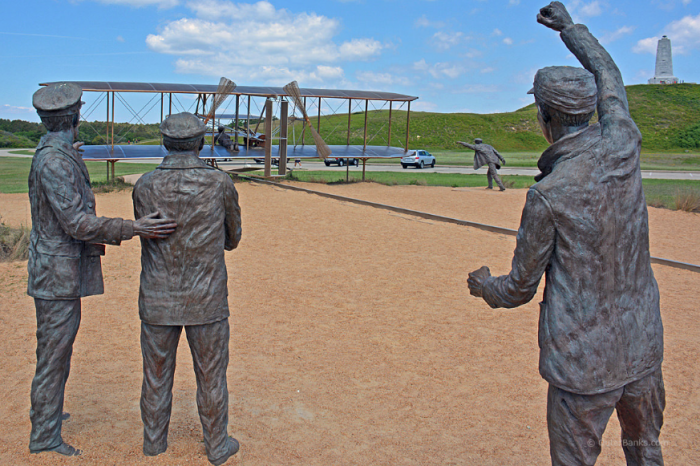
<point>667,116</point>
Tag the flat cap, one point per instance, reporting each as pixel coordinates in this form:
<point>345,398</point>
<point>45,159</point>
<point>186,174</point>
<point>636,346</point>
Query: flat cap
<point>566,88</point>
<point>183,126</point>
<point>58,99</point>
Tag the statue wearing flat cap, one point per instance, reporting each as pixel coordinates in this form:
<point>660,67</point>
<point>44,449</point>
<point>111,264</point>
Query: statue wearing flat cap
<point>184,284</point>
<point>66,242</point>
<point>485,154</point>
<point>585,227</point>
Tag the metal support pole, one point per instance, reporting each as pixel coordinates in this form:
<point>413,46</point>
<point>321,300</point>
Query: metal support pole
<point>365,136</point>
<point>247,129</point>
<point>213,122</point>
<point>112,121</point>
<point>347,171</point>
<point>408,123</point>
<point>161,117</point>
<point>107,133</point>
<point>318,120</point>
<point>170,104</point>
<point>268,138</point>
<point>284,112</point>
<point>388,143</point>
<point>235,125</point>
<point>364,162</point>
<point>107,171</point>
<point>349,116</point>
<point>303,127</point>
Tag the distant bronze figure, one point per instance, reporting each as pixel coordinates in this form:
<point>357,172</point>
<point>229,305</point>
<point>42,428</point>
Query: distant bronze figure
<point>585,227</point>
<point>224,140</point>
<point>66,243</point>
<point>184,284</point>
<point>485,154</point>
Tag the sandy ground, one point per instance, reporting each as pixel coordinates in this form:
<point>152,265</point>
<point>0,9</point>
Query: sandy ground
<point>354,340</point>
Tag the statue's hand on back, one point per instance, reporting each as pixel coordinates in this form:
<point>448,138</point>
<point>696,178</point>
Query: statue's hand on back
<point>555,16</point>
<point>153,227</point>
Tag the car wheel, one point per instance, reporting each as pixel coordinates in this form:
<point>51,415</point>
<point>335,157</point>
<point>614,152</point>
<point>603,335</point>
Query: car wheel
<point>328,164</point>
<point>404,166</point>
<point>433,164</point>
<point>340,163</point>
<point>421,165</point>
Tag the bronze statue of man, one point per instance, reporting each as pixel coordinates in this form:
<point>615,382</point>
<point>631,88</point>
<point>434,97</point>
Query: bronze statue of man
<point>66,242</point>
<point>184,284</point>
<point>224,140</point>
<point>485,154</point>
<point>585,227</point>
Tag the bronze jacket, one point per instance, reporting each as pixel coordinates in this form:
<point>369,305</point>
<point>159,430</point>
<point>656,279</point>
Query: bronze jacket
<point>64,249</point>
<point>485,154</point>
<point>183,277</point>
<point>585,227</point>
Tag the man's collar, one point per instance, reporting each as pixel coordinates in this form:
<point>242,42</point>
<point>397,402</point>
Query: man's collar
<point>566,148</point>
<point>180,160</point>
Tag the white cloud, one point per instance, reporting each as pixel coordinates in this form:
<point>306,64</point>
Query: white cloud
<point>514,2</point>
<point>488,69</point>
<point>508,41</point>
<point>684,35</point>
<point>424,22</point>
<point>257,42</point>
<point>120,39</point>
<point>579,8</point>
<point>385,79</point>
<point>421,65</point>
<point>477,89</point>
<point>14,110</point>
<point>686,2</point>
<point>142,3</point>
<point>444,41</point>
<point>497,32</point>
<point>439,70</point>
<point>422,106</point>
<point>613,36</point>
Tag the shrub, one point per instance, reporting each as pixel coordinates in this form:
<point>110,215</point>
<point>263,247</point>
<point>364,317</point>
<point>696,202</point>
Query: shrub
<point>687,201</point>
<point>14,243</point>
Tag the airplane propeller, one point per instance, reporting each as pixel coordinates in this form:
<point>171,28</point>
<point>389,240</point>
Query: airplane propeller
<point>292,89</point>
<point>226,87</point>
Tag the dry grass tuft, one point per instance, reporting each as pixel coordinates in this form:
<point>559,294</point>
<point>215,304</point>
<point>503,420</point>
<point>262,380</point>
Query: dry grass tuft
<point>687,201</point>
<point>14,243</point>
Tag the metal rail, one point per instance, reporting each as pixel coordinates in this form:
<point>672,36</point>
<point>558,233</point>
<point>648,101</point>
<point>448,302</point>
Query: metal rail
<point>440,218</point>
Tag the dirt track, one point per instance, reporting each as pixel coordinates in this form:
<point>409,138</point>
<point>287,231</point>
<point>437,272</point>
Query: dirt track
<point>354,340</point>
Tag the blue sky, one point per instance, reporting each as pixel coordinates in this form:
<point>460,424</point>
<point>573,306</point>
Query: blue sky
<point>457,56</point>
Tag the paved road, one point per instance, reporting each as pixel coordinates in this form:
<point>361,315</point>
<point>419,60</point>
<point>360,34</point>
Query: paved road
<point>396,167</point>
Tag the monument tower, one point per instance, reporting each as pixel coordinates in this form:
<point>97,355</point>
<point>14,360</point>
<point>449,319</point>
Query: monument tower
<point>664,64</point>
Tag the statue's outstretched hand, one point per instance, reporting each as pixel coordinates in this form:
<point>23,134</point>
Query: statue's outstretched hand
<point>476,281</point>
<point>152,227</point>
<point>555,16</point>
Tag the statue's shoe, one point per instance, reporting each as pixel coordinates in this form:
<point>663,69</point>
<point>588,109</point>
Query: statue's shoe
<point>62,449</point>
<point>233,447</point>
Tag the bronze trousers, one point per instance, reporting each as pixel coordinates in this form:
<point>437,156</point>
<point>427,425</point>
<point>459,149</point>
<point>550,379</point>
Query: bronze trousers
<point>57,323</point>
<point>209,347</point>
<point>576,422</point>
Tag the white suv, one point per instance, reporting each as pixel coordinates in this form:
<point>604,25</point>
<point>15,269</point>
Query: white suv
<point>419,159</point>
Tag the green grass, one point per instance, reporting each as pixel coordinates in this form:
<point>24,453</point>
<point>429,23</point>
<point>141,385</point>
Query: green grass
<point>14,172</point>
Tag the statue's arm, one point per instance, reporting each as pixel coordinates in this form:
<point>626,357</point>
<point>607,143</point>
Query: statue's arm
<point>233,215</point>
<point>535,243</point>
<point>612,97</point>
<point>500,156</point>
<point>60,180</point>
<point>468,146</point>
